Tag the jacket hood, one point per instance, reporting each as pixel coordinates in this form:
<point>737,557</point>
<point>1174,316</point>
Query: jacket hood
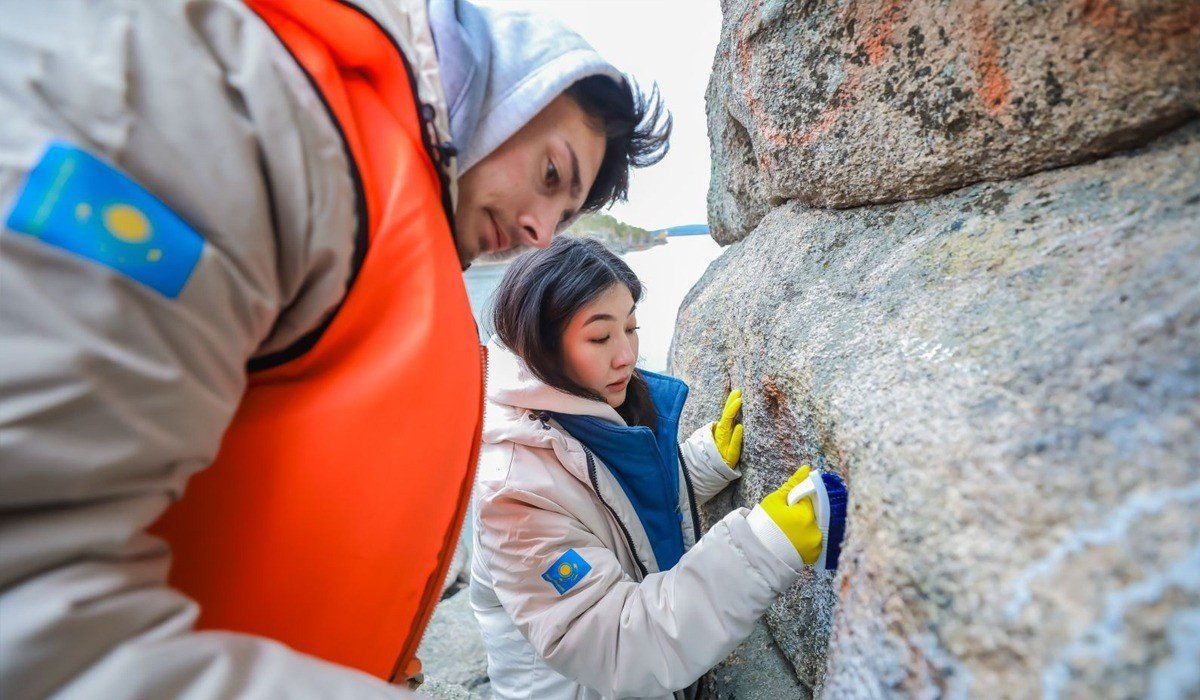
<point>511,383</point>
<point>513,391</point>
<point>499,68</point>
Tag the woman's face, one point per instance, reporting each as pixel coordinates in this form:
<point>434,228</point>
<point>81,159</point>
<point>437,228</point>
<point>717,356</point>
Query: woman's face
<point>600,344</point>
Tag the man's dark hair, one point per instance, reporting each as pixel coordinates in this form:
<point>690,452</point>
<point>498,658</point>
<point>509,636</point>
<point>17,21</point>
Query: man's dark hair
<point>539,295</point>
<point>636,126</point>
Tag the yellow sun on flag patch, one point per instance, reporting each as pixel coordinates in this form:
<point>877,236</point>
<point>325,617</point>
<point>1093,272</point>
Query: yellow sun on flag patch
<point>125,222</point>
<point>566,571</point>
<point>77,203</point>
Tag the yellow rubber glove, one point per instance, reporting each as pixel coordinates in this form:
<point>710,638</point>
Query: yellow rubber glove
<point>798,522</point>
<point>727,435</point>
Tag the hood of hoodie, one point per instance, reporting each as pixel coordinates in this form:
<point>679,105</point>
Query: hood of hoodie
<point>499,68</point>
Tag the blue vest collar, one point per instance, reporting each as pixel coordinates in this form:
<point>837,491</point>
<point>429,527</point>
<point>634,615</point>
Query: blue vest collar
<point>644,462</point>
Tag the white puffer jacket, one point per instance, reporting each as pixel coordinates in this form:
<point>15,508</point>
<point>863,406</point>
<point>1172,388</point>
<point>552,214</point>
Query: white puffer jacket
<point>615,632</point>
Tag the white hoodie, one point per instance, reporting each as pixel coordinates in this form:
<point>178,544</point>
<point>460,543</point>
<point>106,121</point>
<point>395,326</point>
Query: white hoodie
<point>543,501</point>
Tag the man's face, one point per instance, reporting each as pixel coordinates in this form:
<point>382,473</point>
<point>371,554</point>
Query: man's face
<point>531,186</point>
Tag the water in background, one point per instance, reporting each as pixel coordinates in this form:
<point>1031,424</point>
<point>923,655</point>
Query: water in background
<point>666,271</point>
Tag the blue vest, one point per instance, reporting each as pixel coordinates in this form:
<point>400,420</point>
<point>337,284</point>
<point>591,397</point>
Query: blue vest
<point>644,462</point>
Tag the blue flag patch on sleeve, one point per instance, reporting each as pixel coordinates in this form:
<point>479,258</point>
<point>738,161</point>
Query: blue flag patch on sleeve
<point>566,571</point>
<point>77,202</point>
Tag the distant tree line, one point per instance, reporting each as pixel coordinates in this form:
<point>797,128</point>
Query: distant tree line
<point>618,235</point>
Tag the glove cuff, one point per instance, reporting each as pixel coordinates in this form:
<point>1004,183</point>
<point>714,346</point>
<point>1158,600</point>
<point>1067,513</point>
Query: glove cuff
<point>773,538</point>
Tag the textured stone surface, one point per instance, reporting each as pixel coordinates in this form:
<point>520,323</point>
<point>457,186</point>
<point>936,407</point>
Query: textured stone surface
<point>839,104</point>
<point>433,688</point>
<point>452,654</point>
<point>755,669</point>
<point>1009,378</point>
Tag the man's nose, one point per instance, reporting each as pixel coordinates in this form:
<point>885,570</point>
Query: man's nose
<point>537,225</point>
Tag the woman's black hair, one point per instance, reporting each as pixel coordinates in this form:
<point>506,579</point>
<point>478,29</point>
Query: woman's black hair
<point>637,130</point>
<point>539,295</point>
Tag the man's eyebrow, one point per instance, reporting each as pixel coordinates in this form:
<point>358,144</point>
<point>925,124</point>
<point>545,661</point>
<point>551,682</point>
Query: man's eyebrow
<point>576,185</point>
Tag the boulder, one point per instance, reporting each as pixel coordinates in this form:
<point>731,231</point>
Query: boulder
<point>839,104</point>
<point>1008,377</point>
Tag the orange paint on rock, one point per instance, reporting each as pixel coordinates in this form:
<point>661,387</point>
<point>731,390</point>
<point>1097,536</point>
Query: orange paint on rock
<point>879,33</point>
<point>995,87</point>
<point>775,400</point>
<point>844,97</point>
<point>1107,16</point>
<point>742,47</point>
<point>877,46</point>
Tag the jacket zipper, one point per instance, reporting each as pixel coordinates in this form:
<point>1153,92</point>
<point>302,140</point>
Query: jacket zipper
<point>687,480</point>
<point>434,587</point>
<point>439,155</point>
<point>624,530</point>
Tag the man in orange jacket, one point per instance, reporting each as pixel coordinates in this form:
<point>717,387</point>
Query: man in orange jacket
<point>198,188</point>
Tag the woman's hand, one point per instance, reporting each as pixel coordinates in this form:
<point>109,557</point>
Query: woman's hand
<point>727,435</point>
<point>797,522</point>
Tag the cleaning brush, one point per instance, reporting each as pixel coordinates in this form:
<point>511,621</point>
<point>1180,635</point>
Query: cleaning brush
<point>829,504</point>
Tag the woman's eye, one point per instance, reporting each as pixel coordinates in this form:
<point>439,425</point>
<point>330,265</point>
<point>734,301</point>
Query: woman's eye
<point>600,341</point>
<point>551,174</point>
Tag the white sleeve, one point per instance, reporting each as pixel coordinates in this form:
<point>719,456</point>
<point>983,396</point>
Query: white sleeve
<point>703,461</point>
<point>112,391</point>
<point>615,635</point>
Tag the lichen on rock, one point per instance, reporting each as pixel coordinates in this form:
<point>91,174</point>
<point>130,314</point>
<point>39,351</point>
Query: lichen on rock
<point>840,104</point>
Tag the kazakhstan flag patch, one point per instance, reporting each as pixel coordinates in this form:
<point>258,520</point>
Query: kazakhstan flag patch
<point>566,571</point>
<point>80,204</point>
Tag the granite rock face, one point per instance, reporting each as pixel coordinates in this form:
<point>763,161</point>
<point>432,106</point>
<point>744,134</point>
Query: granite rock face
<point>839,104</point>
<point>1008,376</point>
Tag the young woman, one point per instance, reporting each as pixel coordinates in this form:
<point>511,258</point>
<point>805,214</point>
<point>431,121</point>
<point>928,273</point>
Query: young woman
<point>588,580</point>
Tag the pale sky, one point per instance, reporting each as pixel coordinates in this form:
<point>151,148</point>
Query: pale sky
<point>670,42</point>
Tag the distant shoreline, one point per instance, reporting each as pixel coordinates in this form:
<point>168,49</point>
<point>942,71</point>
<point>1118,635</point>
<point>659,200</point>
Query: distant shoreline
<point>480,264</point>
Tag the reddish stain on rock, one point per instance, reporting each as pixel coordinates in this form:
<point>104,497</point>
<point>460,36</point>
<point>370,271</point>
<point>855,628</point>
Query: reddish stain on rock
<point>877,44</point>
<point>1140,30</point>
<point>781,432</point>
<point>995,87</point>
<point>744,54</point>
<point>843,99</point>
<point>774,399</point>
<point>877,47</point>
